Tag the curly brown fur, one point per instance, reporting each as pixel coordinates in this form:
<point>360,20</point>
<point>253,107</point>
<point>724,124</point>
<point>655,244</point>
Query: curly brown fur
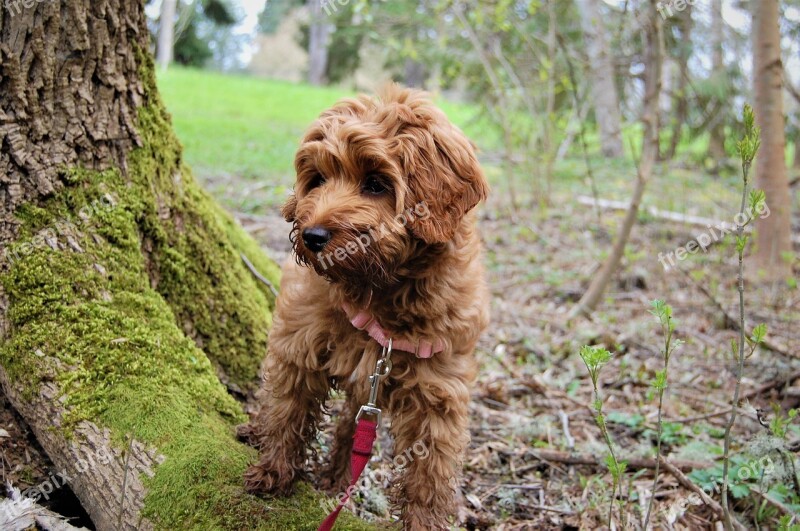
<point>423,278</point>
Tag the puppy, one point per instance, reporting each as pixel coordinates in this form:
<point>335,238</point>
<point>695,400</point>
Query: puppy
<point>384,246</point>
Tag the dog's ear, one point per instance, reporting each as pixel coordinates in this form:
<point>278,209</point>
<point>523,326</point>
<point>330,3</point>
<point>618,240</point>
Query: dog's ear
<point>288,209</point>
<point>443,174</point>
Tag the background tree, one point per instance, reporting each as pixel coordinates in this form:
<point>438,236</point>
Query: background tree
<point>198,35</point>
<point>716,147</point>
<point>602,79</point>
<point>319,31</point>
<point>166,33</point>
<point>680,42</point>
<point>774,243</point>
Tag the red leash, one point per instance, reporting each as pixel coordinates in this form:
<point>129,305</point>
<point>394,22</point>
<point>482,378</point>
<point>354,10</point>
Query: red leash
<point>365,435</point>
<point>363,440</point>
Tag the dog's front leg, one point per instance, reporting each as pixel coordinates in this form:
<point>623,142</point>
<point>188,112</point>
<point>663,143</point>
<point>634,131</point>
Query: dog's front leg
<point>290,407</point>
<point>429,424</point>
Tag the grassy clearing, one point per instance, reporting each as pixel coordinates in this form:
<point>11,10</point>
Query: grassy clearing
<point>239,130</point>
<point>240,134</point>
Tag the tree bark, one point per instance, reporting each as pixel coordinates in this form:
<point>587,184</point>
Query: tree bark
<point>601,72</point>
<point>319,32</point>
<point>773,242</point>
<point>123,297</point>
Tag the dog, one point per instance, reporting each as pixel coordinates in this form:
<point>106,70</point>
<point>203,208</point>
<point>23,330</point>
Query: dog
<point>384,245</point>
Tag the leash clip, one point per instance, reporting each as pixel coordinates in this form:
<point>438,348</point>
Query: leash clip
<point>382,368</point>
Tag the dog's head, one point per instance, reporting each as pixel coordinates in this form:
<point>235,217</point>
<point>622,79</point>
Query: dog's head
<point>378,179</point>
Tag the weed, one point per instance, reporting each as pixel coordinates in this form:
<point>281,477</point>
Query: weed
<point>748,148</point>
<point>663,313</point>
<point>595,357</point>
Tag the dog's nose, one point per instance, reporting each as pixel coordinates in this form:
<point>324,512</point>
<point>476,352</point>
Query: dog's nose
<point>316,238</point>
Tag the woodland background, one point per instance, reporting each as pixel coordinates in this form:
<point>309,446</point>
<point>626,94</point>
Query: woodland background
<point>611,134</point>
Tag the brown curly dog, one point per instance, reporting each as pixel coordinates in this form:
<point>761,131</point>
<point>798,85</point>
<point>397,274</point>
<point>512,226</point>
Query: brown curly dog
<point>384,246</point>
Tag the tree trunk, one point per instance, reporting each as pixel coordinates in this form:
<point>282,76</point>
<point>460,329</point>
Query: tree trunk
<point>650,147</point>
<point>773,242</point>
<point>679,96</point>
<point>414,73</point>
<point>166,34</point>
<point>601,74</point>
<point>123,297</point>
<point>319,32</point>
<point>716,147</point>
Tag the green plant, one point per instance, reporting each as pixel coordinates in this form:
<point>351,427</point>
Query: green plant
<point>748,148</point>
<point>663,312</point>
<point>595,357</point>
<point>785,523</point>
<point>671,433</point>
<point>635,420</point>
<point>779,424</point>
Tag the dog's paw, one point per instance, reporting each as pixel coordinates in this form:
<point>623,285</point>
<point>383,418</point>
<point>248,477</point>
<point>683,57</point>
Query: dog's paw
<point>332,485</point>
<point>245,434</point>
<point>260,479</point>
<point>424,518</point>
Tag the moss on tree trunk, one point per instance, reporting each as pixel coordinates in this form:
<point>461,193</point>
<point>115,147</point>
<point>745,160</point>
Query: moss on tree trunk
<point>123,301</point>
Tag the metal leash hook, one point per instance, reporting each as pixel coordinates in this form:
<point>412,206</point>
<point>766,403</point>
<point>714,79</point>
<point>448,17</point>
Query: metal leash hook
<point>382,368</point>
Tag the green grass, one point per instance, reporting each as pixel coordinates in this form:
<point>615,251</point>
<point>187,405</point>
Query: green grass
<point>240,134</point>
<point>249,127</point>
<point>241,125</point>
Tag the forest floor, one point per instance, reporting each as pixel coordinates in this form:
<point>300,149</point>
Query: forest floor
<point>531,416</point>
<point>536,456</point>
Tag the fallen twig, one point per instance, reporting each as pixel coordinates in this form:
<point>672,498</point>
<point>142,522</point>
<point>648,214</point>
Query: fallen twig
<point>597,460</point>
<point>706,416</point>
<point>778,382</point>
<point>258,275</point>
<point>688,484</point>
<point>665,215</point>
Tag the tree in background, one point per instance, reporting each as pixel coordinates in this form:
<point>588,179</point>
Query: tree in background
<point>345,35</point>
<point>166,33</point>
<point>319,33</point>
<point>198,35</point>
<point>716,146</point>
<point>270,18</point>
<point>601,74</point>
<point>774,245</point>
<point>679,40</point>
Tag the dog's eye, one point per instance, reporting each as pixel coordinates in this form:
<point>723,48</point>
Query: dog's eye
<point>317,181</point>
<point>373,185</point>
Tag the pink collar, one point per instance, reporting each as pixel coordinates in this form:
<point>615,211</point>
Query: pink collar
<point>363,320</point>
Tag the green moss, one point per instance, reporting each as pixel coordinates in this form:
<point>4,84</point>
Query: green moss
<point>143,299</point>
<point>195,262</point>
